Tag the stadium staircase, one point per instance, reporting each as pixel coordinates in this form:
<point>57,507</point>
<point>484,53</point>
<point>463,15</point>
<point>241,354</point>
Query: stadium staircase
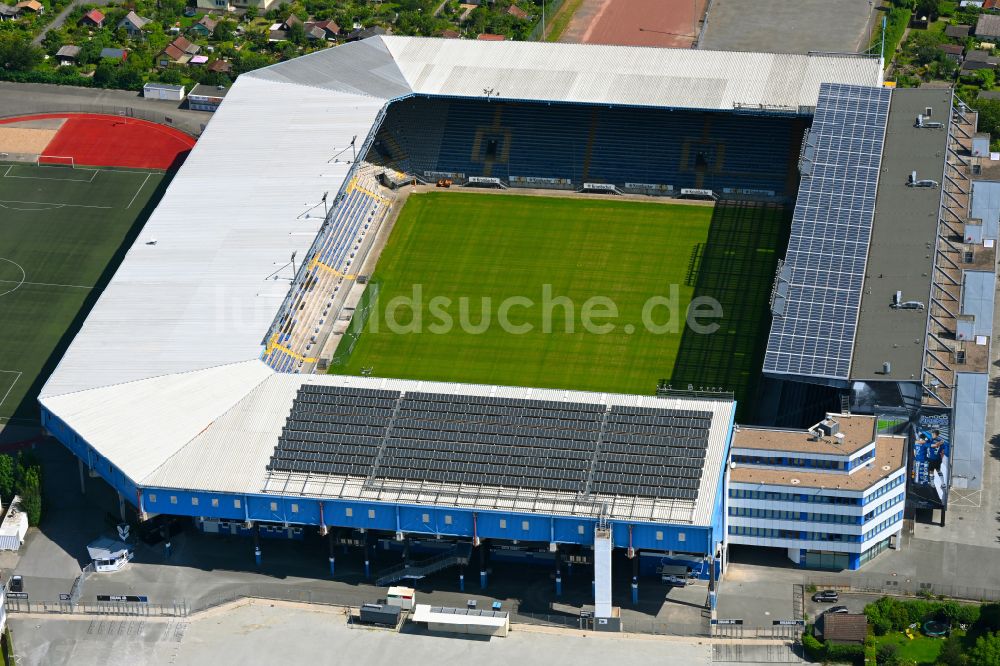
<point>457,555</point>
<point>309,313</point>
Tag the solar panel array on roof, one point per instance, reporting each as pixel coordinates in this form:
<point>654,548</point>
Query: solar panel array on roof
<point>501,442</point>
<point>831,230</point>
<point>652,452</point>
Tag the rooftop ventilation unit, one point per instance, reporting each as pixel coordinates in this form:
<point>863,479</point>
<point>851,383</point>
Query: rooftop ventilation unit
<point>923,123</point>
<point>913,181</point>
<point>907,305</point>
<point>828,427</point>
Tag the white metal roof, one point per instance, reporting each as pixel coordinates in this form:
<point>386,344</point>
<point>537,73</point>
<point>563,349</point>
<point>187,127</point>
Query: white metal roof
<point>211,462</point>
<point>173,341</point>
<point>459,616</point>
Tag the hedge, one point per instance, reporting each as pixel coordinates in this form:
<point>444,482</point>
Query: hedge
<point>889,614</point>
<point>33,76</point>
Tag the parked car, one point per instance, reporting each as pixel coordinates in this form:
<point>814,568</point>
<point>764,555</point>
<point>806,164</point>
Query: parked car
<point>838,609</point>
<point>675,581</point>
<point>826,596</point>
<point>16,584</point>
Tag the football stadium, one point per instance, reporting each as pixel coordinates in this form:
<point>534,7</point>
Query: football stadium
<point>504,301</point>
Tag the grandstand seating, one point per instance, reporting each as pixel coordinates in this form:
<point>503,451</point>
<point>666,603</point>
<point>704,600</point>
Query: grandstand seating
<point>301,327</point>
<point>589,144</point>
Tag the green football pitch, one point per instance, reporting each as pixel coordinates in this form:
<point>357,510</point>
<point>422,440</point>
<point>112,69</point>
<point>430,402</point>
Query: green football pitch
<point>63,231</point>
<point>546,258</point>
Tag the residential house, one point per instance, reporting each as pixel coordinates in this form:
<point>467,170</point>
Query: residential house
<point>842,628</point>
<point>276,34</point>
<point>93,18</point>
<point>68,54</point>
<point>331,28</point>
<point>978,59</point>
<point>290,21</point>
<point>177,52</point>
<point>205,27</point>
<point>220,67</point>
<point>991,5</point>
<point>262,6</point>
<point>7,12</point>
<point>321,30</point>
<point>958,31</point>
<point>988,27</point>
<point>488,37</point>
<point>364,33</point>
<point>133,25</point>
<point>114,54</point>
<point>953,51</point>
<point>517,12</point>
<point>451,34</point>
<point>29,7</point>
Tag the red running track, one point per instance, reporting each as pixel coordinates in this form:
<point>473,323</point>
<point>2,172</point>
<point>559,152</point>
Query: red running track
<point>102,140</point>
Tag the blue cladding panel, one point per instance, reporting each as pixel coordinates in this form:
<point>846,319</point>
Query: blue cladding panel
<point>831,230</point>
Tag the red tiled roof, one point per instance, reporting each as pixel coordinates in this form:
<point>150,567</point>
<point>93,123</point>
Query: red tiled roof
<point>517,12</point>
<point>450,34</point>
<point>487,37</point>
<point>95,16</point>
<point>174,52</point>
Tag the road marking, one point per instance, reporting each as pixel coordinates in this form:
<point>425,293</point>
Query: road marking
<point>47,284</point>
<point>11,387</point>
<point>48,203</point>
<point>138,190</point>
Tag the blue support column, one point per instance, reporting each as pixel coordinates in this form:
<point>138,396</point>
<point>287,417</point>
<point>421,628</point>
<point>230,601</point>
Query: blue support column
<point>569,569</point>
<point>333,569</point>
<point>558,584</point>
<point>256,544</point>
<point>461,582</point>
<point>635,590</point>
<point>257,555</point>
<point>482,578</point>
<point>166,549</point>
<point>593,587</point>
<point>368,566</point>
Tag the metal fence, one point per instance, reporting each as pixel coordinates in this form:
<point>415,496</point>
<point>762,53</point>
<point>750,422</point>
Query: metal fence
<point>124,608</point>
<point>551,8</point>
<point>902,586</point>
<point>181,119</point>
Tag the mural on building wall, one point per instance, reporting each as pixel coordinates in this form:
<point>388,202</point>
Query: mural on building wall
<point>929,473</point>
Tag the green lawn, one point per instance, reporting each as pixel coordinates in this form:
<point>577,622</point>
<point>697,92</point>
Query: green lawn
<point>921,650</point>
<point>61,229</point>
<point>472,245</point>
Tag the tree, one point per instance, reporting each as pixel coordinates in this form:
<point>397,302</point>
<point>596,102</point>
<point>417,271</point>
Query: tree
<point>297,34</point>
<point>6,478</point>
<point>928,8</point>
<point>250,14</point>
<point>887,654</point>
<point>952,653</point>
<point>986,651</point>
<point>224,31</point>
<point>105,75</point>
<point>31,496</point>
<point>248,61</point>
<point>17,53</point>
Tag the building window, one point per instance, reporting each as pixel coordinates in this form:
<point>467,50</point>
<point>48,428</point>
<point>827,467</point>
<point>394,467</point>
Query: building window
<point>173,499</point>
<point>348,512</point>
<point>152,497</point>
<point>681,537</point>
<point>503,523</point>
<point>194,501</point>
<point>371,513</point>
<point>447,520</point>
<point>237,504</point>
<point>295,508</point>
<point>215,501</point>
<point>579,529</point>
<point>659,535</point>
<point>274,506</point>
<point>427,517</point>
<point>525,525</point>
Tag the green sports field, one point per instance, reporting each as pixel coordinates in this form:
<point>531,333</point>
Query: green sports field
<point>638,256</point>
<point>61,228</point>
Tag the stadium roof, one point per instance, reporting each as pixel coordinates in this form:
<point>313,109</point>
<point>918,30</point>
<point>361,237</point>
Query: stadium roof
<point>905,226</point>
<point>202,295</point>
<point>186,312</point>
<point>192,420</point>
